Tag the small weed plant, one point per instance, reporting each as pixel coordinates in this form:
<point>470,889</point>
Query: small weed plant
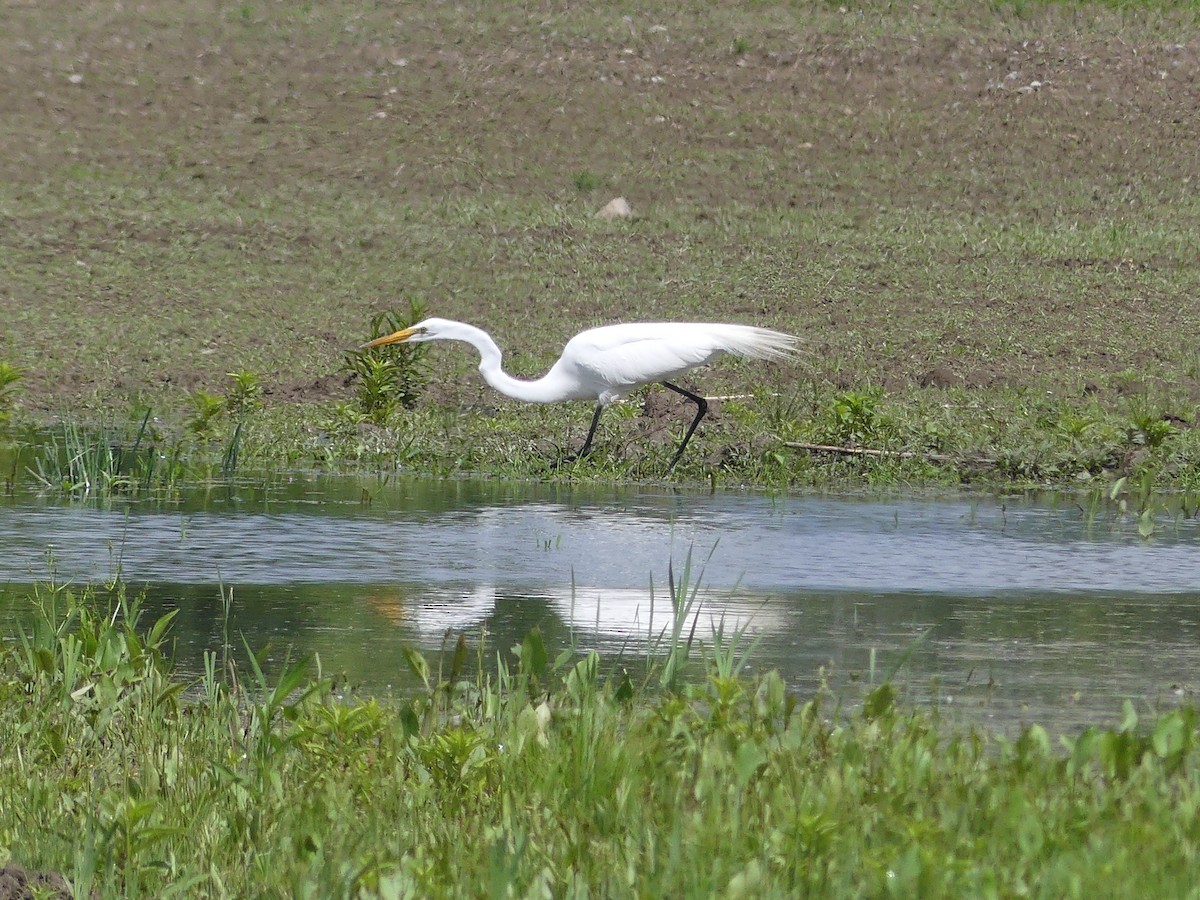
<point>853,418</point>
<point>244,395</point>
<point>206,411</point>
<point>389,378</point>
<point>1149,430</point>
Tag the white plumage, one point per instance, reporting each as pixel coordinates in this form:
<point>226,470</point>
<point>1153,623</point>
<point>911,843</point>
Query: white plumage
<point>604,364</point>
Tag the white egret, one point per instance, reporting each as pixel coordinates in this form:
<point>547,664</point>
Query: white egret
<point>605,364</point>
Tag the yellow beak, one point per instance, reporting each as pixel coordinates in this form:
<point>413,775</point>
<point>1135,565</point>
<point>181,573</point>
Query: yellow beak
<point>393,338</point>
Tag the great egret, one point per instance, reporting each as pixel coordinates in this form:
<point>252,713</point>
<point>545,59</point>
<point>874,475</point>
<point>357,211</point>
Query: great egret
<point>605,364</point>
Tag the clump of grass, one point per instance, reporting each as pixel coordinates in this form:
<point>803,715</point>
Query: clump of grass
<point>391,377</point>
<point>585,181</point>
<point>672,642</point>
<point>89,462</point>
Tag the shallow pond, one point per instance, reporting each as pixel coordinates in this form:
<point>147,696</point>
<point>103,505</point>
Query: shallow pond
<point>1000,612</point>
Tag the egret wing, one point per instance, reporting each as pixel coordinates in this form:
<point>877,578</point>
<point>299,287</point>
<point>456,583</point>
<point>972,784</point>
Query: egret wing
<point>621,357</point>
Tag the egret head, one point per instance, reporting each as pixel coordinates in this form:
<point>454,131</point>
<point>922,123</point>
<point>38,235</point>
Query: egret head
<point>429,330</point>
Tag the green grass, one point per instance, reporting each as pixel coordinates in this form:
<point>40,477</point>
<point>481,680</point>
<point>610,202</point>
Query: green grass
<point>557,773</point>
<point>949,437</point>
<point>9,376</point>
<point>138,458</point>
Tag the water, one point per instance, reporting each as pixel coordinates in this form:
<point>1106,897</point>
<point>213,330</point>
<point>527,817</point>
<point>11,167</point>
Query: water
<point>998,612</point>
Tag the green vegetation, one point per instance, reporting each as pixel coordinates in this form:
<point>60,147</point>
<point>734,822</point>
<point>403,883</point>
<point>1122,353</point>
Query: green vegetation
<point>245,395</point>
<point>388,378</point>
<point>558,773</point>
<point>9,376</point>
<point>981,217</point>
<point>760,439</point>
<point>141,457</point>
<point>206,410</point>
<point>103,462</point>
<point>853,419</point>
<point>586,181</point>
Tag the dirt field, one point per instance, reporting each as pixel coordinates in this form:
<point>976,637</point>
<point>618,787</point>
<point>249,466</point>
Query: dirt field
<point>994,200</point>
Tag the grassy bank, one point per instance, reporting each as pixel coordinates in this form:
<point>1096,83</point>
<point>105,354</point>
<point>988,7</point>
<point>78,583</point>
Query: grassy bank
<point>981,217</point>
<point>558,776</point>
<point>845,439</point>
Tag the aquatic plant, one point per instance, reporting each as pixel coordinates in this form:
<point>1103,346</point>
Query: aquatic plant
<point>243,398</point>
<point>685,612</point>
<point>103,461</point>
<point>90,461</point>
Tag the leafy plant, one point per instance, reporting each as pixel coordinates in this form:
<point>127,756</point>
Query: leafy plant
<point>246,393</point>
<point>853,417</point>
<point>392,376</point>
<point>378,386</point>
<point>1149,430</point>
<point>1074,426</point>
<point>206,409</point>
<point>93,661</point>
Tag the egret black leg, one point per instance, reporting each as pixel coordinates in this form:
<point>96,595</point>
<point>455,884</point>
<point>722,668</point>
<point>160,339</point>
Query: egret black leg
<point>701,409</point>
<point>587,444</point>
